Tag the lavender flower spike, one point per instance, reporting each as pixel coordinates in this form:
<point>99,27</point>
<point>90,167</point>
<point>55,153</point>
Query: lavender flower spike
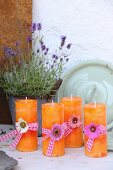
<point>54,56</point>
<point>29,39</point>
<point>9,52</point>
<point>39,26</point>
<point>69,45</point>
<point>43,47</point>
<point>63,39</point>
<point>33,27</point>
<point>17,43</point>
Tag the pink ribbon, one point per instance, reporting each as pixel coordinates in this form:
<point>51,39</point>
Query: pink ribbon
<point>18,134</point>
<point>55,134</point>
<point>72,123</point>
<point>93,131</point>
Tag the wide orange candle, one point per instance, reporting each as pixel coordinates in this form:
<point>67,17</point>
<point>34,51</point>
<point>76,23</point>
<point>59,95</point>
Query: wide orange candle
<point>52,120</point>
<point>95,136</point>
<point>73,117</point>
<point>26,109</point>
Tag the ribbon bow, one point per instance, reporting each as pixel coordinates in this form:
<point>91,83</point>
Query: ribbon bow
<point>55,133</point>
<point>72,123</point>
<point>21,127</point>
<point>93,131</point>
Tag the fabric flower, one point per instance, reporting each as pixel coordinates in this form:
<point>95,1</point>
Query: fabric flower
<point>22,126</point>
<point>92,130</point>
<point>56,132</point>
<point>74,121</point>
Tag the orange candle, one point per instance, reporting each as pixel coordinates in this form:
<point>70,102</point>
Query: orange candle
<point>95,136</point>
<point>52,121</point>
<point>73,117</point>
<point>26,109</point>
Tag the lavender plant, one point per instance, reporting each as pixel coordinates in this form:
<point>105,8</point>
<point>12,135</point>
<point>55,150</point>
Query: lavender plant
<point>33,72</point>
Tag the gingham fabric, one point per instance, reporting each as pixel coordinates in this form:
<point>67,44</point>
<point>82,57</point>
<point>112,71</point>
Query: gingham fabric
<point>89,144</point>
<point>69,129</point>
<point>50,148</point>
<point>90,141</point>
<point>47,132</point>
<point>32,126</point>
<point>8,135</point>
<point>16,141</point>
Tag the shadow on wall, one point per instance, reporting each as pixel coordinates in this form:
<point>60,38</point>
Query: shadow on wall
<point>5,117</point>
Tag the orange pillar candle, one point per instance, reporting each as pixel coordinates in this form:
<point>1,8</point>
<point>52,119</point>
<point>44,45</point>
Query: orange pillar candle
<point>73,117</point>
<point>26,109</point>
<point>95,136</point>
<point>52,121</point>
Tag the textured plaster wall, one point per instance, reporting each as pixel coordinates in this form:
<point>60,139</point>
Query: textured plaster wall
<point>15,20</point>
<point>88,24</point>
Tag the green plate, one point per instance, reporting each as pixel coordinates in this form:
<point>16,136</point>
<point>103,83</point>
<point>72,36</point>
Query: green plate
<point>93,81</point>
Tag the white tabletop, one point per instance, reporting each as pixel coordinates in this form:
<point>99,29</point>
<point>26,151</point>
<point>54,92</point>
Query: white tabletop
<point>73,159</point>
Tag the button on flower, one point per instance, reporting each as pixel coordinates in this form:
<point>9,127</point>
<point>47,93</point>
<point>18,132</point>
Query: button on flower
<point>74,121</point>
<point>22,126</point>
<point>92,130</point>
<point>56,132</point>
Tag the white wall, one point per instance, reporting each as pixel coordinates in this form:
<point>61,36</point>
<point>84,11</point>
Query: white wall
<point>88,24</point>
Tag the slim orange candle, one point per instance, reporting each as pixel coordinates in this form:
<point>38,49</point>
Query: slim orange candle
<point>26,109</point>
<point>73,117</point>
<point>52,121</point>
<point>95,137</point>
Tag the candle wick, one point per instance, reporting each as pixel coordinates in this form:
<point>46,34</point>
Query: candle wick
<point>26,100</point>
<point>52,103</point>
<point>95,103</point>
<point>71,96</point>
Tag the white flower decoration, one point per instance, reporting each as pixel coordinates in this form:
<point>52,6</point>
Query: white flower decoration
<point>22,126</point>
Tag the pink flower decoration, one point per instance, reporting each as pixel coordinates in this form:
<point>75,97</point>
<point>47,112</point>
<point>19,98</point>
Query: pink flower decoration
<point>57,131</point>
<point>74,121</point>
<point>92,130</point>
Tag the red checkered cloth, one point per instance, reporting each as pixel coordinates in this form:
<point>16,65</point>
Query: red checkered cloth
<point>32,126</point>
<point>50,133</point>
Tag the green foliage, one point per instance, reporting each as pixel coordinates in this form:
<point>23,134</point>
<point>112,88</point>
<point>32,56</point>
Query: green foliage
<point>30,73</point>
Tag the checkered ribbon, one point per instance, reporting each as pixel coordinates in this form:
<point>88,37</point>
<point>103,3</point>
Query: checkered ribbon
<point>90,141</point>
<point>69,128</point>
<point>31,126</point>
<point>47,133</point>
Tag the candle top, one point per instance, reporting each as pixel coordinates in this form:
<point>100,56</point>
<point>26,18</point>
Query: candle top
<point>71,98</point>
<point>25,100</point>
<point>95,105</point>
<point>52,104</point>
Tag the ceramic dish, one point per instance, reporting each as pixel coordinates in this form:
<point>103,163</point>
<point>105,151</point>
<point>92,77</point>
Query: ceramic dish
<point>93,81</point>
